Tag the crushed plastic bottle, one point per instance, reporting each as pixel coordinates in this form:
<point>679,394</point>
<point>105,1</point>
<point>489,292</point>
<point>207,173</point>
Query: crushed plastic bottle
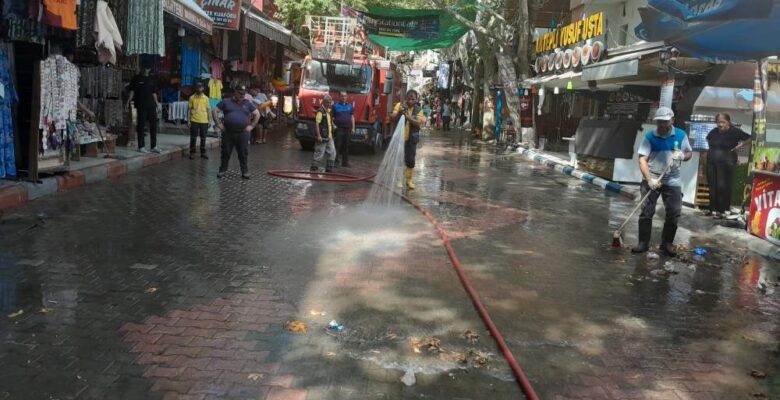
<point>335,326</point>
<point>409,378</point>
<point>700,251</point>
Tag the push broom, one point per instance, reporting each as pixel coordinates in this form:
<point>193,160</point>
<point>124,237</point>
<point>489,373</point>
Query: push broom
<point>617,237</point>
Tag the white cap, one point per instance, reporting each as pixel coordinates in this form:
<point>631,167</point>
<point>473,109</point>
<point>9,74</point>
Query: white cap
<point>664,114</point>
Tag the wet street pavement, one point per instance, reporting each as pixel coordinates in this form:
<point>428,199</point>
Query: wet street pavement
<point>169,283</point>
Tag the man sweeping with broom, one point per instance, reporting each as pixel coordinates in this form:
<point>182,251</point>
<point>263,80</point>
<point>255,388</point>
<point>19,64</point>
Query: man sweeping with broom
<point>660,155</point>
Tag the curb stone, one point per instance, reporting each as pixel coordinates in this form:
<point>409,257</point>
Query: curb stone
<point>566,169</point>
<point>17,194</point>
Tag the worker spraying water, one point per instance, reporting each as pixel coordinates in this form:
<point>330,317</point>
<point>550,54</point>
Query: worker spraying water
<point>415,118</point>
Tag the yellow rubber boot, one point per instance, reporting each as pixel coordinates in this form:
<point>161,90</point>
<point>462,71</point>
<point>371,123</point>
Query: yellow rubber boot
<point>409,175</point>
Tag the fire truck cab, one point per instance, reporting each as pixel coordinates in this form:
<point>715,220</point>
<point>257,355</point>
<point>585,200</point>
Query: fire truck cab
<point>373,86</point>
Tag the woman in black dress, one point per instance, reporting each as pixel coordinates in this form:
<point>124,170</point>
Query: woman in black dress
<point>724,141</point>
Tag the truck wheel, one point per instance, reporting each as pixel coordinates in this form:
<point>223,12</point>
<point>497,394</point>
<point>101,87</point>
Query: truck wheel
<point>307,145</point>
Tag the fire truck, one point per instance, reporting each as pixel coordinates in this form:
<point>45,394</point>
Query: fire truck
<point>339,62</point>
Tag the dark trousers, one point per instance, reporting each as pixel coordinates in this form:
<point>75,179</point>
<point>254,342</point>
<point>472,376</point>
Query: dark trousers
<point>342,145</point>
<point>146,115</point>
<point>445,123</point>
<point>672,198</point>
<point>410,153</point>
<point>198,130</point>
<point>238,139</point>
<point>720,178</point>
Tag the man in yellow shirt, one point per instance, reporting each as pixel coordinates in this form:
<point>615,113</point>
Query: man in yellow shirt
<point>415,118</point>
<point>323,133</point>
<point>198,120</point>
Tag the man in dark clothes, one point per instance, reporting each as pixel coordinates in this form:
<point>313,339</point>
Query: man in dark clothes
<point>143,93</point>
<point>241,118</point>
<point>344,119</point>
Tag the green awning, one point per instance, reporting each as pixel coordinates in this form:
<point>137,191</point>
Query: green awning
<point>449,29</point>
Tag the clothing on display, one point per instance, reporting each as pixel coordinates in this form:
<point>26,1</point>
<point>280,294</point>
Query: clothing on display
<point>16,9</point>
<point>215,89</point>
<point>109,113</point>
<point>7,101</point>
<point>145,31</point>
<point>88,17</point>
<point>190,63</point>
<point>59,92</point>
<point>177,111</point>
<point>108,37</point>
<point>59,14</point>
<point>216,69</point>
<point>25,30</point>
<point>100,82</point>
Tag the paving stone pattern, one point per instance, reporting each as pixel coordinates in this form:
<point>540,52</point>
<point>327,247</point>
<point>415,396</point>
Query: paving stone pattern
<point>168,283</point>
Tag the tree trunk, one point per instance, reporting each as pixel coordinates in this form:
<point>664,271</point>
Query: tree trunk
<point>478,98</point>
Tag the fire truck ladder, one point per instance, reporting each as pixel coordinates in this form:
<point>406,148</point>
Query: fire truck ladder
<point>332,38</point>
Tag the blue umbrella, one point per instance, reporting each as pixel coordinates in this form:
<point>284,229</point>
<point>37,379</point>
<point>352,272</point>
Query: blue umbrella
<point>719,32</point>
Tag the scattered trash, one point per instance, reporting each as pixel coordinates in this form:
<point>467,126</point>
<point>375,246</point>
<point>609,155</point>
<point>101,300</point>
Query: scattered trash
<point>16,314</point>
<point>255,377</point>
<point>431,344</point>
<point>700,251</point>
<point>454,356</point>
<point>335,326</point>
<point>44,310</point>
<point>317,313</point>
<point>758,374</point>
<point>451,375</point>
<point>330,354</point>
<point>692,267</point>
<point>700,292</point>
<point>391,336</point>
<point>471,336</point>
<point>297,327</point>
<point>151,290</point>
<point>653,255</point>
<point>479,358</point>
<point>409,379</point>
<point>79,377</point>
<point>758,395</point>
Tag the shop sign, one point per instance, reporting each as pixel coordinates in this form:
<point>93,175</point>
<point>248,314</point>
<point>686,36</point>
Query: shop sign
<point>764,219</point>
<point>187,14</point>
<point>579,31</point>
<point>419,27</point>
<point>572,46</point>
<point>225,13</point>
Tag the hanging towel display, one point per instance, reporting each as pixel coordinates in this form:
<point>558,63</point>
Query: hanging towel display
<point>108,39</point>
<point>7,155</point>
<point>216,69</point>
<point>59,14</point>
<point>190,63</point>
<point>59,98</point>
<point>145,32</point>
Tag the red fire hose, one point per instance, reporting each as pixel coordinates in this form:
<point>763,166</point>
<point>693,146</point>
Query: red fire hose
<point>525,385</point>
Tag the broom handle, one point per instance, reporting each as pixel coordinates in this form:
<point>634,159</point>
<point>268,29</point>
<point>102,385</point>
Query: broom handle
<point>638,206</point>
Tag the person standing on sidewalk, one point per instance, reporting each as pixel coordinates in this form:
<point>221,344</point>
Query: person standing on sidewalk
<point>143,94</point>
<point>323,134</point>
<point>724,141</point>
<point>661,152</point>
<point>344,119</point>
<point>414,120</point>
<point>241,117</point>
<point>198,120</point>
